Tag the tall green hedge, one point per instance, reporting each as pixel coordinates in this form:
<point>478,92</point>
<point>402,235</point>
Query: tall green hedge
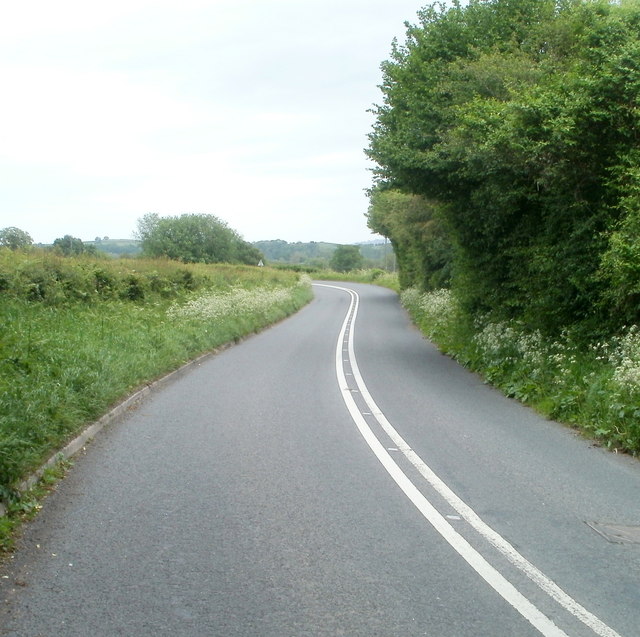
<point>518,120</point>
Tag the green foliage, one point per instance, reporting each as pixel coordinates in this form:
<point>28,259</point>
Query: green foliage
<point>51,279</point>
<point>14,238</point>
<point>346,258</point>
<point>620,266</point>
<point>194,238</point>
<point>417,233</point>
<point>517,121</point>
<point>72,247</point>
<point>375,276</point>
<point>96,330</point>
<point>117,247</point>
<point>317,254</point>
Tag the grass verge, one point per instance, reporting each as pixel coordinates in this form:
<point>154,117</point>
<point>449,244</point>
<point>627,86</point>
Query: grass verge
<point>22,507</point>
<point>77,336</point>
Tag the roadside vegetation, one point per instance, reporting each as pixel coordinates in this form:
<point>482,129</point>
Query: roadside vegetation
<point>369,275</point>
<point>595,388</point>
<point>508,182</point>
<point>80,333</point>
<point>376,276</point>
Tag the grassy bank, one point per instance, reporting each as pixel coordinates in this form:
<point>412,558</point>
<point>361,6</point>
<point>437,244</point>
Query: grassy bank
<point>78,335</point>
<point>594,387</point>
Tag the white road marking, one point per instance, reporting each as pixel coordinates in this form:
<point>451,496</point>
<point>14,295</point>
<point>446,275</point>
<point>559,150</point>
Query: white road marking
<point>497,581</point>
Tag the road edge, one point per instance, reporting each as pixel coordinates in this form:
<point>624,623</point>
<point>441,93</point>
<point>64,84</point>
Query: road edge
<point>129,402</point>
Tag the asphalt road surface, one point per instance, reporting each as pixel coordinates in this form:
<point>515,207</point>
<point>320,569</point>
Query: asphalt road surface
<point>334,475</point>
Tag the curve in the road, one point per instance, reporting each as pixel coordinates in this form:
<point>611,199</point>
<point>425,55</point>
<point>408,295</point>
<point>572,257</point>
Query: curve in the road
<point>346,364</point>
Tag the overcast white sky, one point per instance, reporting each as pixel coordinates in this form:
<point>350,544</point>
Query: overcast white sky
<point>252,110</point>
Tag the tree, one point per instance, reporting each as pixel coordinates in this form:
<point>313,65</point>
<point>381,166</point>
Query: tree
<point>14,238</point>
<point>194,238</point>
<point>72,246</point>
<point>346,258</point>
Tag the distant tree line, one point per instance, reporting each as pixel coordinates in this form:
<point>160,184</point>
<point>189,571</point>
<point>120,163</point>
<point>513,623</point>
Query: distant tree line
<point>319,254</point>
<point>118,247</point>
<point>190,238</point>
<point>316,253</point>
<point>508,162</point>
<point>17,239</point>
<point>72,246</point>
<point>201,238</point>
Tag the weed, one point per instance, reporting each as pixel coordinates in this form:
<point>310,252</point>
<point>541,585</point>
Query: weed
<point>21,507</point>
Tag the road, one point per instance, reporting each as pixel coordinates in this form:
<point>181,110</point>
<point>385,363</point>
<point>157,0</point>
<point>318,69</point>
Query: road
<point>333,475</point>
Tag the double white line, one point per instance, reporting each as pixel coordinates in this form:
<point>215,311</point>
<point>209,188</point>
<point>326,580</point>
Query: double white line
<point>345,353</point>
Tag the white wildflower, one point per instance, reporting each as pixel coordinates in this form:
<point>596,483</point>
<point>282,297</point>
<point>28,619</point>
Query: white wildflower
<point>436,309</point>
<point>626,358</point>
<point>236,302</point>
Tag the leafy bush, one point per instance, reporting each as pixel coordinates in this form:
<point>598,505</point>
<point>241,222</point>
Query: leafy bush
<point>194,238</point>
<point>420,241</point>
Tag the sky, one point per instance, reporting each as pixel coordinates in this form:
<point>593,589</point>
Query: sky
<point>251,110</point>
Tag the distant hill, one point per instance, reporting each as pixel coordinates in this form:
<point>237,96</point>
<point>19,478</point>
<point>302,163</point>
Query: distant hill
<point>117,247</point>
<point>319,253</point>
<point>279,251</point>
<point>376,253</point>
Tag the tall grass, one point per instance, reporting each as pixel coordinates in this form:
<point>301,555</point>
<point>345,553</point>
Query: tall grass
<point>71,348</point>
<point>594,387</point>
